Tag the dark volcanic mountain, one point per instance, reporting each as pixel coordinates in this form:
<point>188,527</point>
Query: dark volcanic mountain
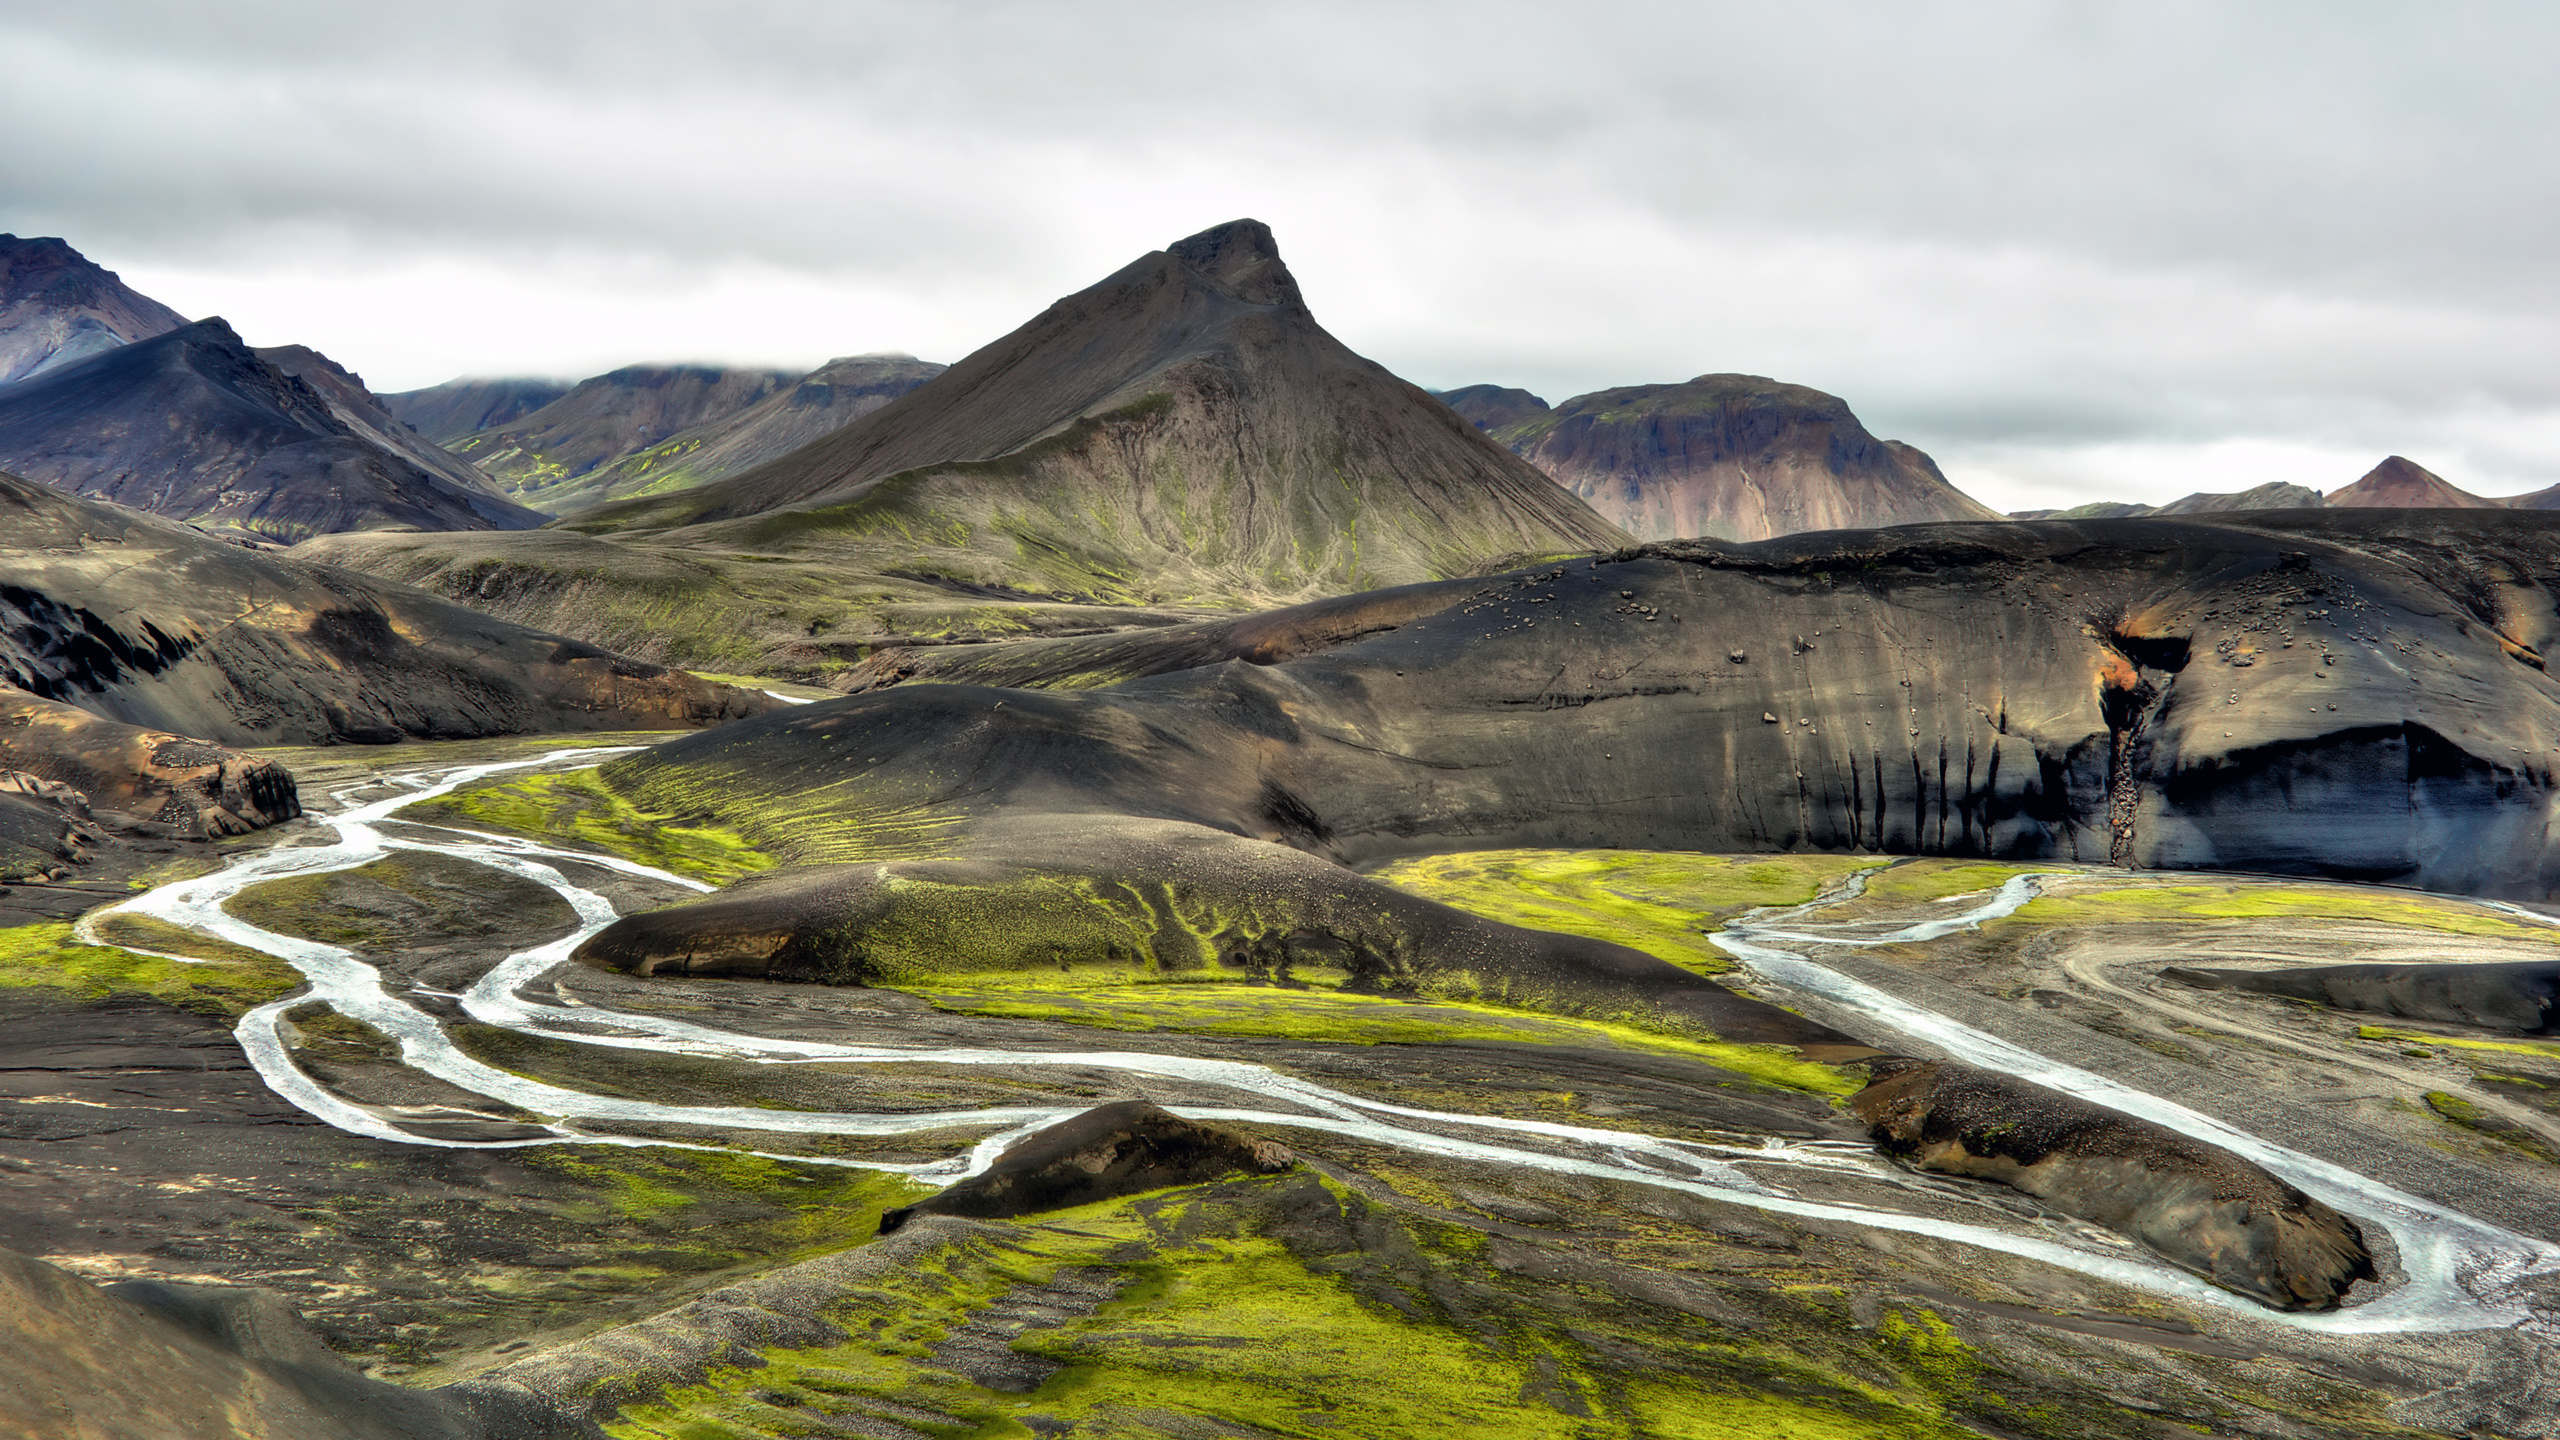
<point>1181,437</point>
<point>1732,457</point>
<point>1186,418</point>
<point>194,425</point>
<point>824,401</point>
<point>603,419</point>
<point>2398,484</point>
<point>447,412</point>
<point>56,306</point>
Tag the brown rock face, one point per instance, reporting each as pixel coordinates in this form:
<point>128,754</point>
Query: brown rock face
<point>1110,1150</point>
<point>2201,1207</point>
<point>1731,457</point>
<point>204,791</point>
<point>2399,484</point>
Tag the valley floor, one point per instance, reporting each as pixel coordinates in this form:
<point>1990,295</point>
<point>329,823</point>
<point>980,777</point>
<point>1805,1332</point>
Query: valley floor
<point>471,1159</point>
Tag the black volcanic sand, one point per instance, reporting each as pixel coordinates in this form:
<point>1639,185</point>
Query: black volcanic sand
<point>2515,997</point>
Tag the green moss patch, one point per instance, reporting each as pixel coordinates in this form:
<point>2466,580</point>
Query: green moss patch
<point>2150,900</point>
<point>1661,902</point>
<point>1231,1317</point>
<point>47,957</point>
<point>576,806</point>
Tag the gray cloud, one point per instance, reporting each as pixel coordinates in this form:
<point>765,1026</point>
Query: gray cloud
<point>2001,229</point>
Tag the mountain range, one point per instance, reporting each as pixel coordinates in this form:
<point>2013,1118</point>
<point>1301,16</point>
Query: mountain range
<point>1731,457</point>
<point>1181,436</point>
<point>2395,484</point>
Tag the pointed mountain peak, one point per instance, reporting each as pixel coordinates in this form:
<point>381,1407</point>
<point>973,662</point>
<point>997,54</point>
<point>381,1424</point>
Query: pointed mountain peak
<point>58,306</point>
<point>2399,483</point>
<point>1240,260</point>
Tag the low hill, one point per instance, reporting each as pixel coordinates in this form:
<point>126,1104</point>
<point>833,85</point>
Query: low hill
<point>822,402</point>
<point>1734,457</point>
<point>58,306</point>
<point>193,425</point>
<point>1181,437</point>
<point>447,412</point>
<point>600,420</point>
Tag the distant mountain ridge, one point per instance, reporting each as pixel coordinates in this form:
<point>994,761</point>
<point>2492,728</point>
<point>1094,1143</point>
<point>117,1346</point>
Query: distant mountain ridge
<point>447,412</point>
<point>193,425</point>
<point>549,452</point>
<point>820,403</point>
<point>1729,457</point>
<point>2398,483</point>
<point>57,306</point>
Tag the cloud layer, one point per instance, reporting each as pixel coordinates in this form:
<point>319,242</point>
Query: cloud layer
<point>2073,251</point>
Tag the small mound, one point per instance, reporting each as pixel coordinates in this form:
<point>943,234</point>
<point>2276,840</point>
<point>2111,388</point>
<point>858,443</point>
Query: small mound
<point>2201,1207</point>
<point>1112,1150</point>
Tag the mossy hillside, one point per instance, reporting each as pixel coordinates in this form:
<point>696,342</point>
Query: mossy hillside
<point>1328,1015</point>
<point>577,807</point>
<point>226,983</point>
<point>1661,902</point>
<point>589,1236</point>
<point>1228,1319</point>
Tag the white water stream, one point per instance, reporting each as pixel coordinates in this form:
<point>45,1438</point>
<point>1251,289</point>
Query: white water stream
<point>2459,1272</point>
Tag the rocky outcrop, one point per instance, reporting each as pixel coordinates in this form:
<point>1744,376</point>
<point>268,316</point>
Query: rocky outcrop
<point>57,306</point>
<point>143,1360</point>
<point>200,790</point>
<point>549,452</point>
<point>1735,457</point>
<point>193,425</point>
<point>1107,1152</point>
<point>2399,484</point>
<point>442,414</point>
<point>155,627</point>
<point>2202,1207</point>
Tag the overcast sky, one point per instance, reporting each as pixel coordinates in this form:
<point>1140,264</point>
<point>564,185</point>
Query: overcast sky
<point>2075,251</point>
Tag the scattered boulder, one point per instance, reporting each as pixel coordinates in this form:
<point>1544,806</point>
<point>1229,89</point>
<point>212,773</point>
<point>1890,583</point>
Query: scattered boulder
<point>1108,1151</point>
<point>2201,1207</point>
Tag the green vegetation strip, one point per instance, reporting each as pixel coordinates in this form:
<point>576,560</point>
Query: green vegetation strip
<point>230,982</point>
<point>575,806</point>
<point>1320,1015</point>
<point>1221,1328</point>
<point>2151,900</point>
<point>1661,902</point>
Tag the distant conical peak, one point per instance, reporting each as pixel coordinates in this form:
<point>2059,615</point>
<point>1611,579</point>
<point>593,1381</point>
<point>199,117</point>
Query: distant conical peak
<point>1240,260</point>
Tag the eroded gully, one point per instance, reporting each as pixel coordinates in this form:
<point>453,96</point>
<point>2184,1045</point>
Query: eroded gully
<point>2458,1273</point>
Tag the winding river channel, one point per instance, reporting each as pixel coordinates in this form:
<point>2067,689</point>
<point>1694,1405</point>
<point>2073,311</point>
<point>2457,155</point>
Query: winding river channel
<point>2457,1272</point>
